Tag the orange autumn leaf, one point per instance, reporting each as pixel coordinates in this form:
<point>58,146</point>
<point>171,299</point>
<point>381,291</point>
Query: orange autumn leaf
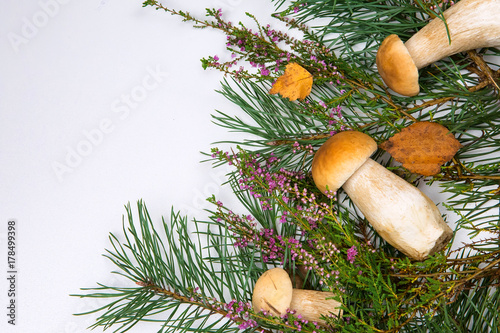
<point>422,147</point>
<point>295,83</point>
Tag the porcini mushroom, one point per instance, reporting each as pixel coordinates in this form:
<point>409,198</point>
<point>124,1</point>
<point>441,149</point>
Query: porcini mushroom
<point>471,24</point>
<point>404,216</point>
<point>274,293</point>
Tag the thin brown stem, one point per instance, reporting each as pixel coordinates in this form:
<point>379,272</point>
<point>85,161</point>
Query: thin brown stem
<point>485,69</point>
<point>216,307</point>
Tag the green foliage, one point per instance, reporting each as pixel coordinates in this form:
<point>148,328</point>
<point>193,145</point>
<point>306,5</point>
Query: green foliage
<point>198,276</point>
<point>169,273</point>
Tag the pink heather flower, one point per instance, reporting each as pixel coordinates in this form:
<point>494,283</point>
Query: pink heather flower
<point>216,58</point>
<point>351,254</point>
<point>264,72</point>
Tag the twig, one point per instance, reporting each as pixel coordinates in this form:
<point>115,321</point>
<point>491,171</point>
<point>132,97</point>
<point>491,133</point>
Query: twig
<point>485,69</point>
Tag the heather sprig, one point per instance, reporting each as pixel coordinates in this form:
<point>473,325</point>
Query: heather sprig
<point>271,186</point>
<point>264,49</point>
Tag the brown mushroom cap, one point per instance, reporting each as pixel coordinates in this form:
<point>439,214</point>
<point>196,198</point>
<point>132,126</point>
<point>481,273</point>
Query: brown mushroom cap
<point>339,157</point>
<point>273,292</point>
<point>396,67</point>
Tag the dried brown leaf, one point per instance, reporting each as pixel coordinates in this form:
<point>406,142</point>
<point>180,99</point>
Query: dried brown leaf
<point>423,147</point>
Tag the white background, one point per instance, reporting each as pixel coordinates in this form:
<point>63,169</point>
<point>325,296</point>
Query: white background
<point>102,103</point>
<point>66,70</point>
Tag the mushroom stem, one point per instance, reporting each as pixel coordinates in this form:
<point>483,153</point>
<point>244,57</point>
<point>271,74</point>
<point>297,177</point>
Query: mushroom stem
<point>404,216</point>
<point>312,304</point>
<point>472,24</point>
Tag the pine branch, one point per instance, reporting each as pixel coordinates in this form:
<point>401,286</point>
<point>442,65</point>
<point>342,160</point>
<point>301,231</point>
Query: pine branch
<point>173,278</point>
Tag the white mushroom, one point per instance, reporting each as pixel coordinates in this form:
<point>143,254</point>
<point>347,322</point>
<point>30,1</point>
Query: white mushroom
<point>404,216</point>
<point>274,293</point>
<point>472,24</point>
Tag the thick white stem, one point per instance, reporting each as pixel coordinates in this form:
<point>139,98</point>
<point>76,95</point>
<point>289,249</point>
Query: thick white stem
<point>312,304</point>
<point>404,216</point>
<point>472,24</point>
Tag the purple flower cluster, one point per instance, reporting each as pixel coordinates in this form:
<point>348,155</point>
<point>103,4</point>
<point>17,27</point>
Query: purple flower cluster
<point>314,255</point>
<point>268,50</point>
<point>291,317</point>
<point>295,321</point>
<point>352,253</point>
<point>297,6</point>
<point>272,185</point>
<point>333,118</point>
<point>262,183</point>
<point>273,246</point>
<point>333,122</point>
<point>239,312</point>
<point>443,3</point>
<point>245,44</point>
<point>297,147</point>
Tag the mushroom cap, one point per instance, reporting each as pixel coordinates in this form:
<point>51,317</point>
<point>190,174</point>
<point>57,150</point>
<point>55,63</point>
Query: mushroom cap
<point>396,66</point>
<point>339,157</point>
<point>273,292</point>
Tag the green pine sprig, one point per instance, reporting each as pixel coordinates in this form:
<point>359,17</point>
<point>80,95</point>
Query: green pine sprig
<point>170,282</point>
